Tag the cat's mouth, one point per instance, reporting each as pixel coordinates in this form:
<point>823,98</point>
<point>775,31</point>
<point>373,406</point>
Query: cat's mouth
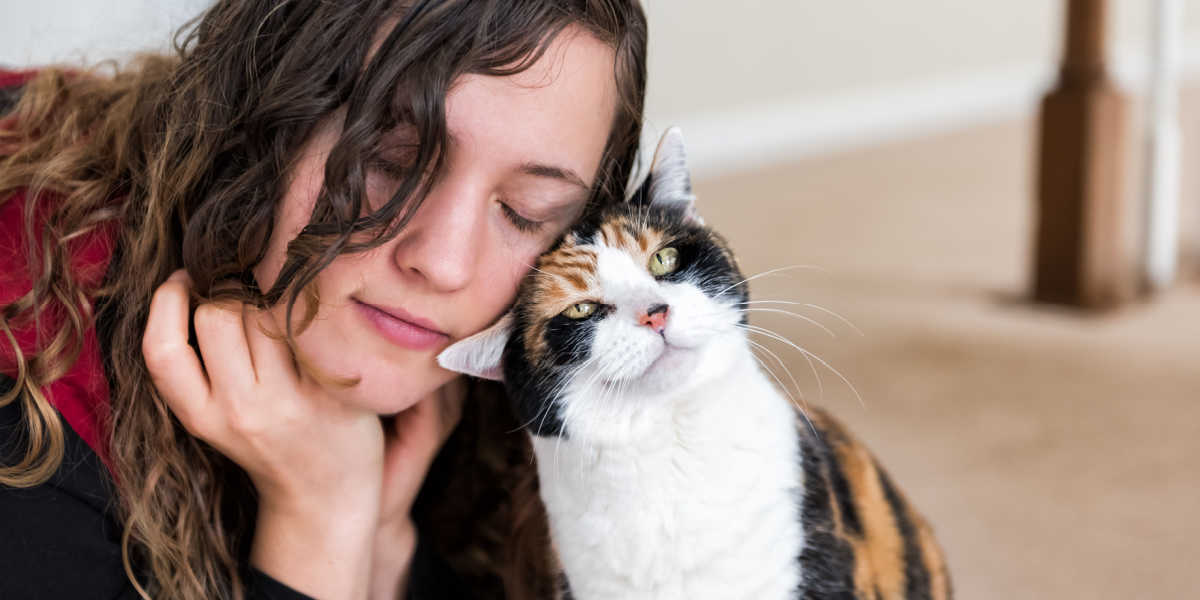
<point>667,364</point>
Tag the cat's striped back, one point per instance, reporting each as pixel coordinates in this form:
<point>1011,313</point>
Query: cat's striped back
<point>863,540</point>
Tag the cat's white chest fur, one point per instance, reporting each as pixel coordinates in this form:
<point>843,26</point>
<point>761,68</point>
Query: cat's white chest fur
<point>708,508</point>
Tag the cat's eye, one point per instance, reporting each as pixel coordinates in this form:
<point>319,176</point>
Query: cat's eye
<point>664,261</point>
<point>580,310</point>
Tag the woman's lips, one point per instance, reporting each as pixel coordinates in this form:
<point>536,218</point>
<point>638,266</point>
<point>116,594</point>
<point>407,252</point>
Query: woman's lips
<point>401,331</point>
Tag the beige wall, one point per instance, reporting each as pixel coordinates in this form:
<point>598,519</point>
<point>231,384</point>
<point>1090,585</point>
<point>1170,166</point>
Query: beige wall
<point>35,32</point>
<point>705,55</point>
<point>753,81</point>
<point>715,55</point>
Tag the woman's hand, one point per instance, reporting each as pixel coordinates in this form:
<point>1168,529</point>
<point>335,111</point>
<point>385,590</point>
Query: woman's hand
<point>317,464</point>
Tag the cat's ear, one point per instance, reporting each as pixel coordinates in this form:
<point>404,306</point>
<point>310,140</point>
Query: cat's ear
<point>480,354</point>
<point>670,182</point>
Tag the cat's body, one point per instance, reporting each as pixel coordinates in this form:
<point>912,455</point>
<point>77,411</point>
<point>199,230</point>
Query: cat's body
<point>670,466</point>
<point>616,513</point>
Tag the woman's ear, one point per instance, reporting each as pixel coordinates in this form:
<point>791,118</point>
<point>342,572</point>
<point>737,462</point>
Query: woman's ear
<point>479,355</point>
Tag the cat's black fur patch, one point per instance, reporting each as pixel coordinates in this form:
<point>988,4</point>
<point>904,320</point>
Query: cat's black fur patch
<point>917,586</point>
<point>529,389</point>
<point>704,259</point>
<point>704,262</point>
<point>570,340</point>
<point>841,489</point>
<point>827,560</point>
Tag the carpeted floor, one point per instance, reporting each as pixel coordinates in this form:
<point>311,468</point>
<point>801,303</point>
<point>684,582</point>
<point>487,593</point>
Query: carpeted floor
<point>1057,455</point>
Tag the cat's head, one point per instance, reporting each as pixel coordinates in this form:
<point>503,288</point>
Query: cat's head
<point>633,308</point>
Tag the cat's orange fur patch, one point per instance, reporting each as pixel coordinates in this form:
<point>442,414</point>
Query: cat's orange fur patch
<point>879,566</point>
<point>567,275</point>
<point>935,563</point>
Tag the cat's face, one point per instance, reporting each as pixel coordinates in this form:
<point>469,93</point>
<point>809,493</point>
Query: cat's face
<point>633,308</point>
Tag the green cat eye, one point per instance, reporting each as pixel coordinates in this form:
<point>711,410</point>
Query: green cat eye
<point>664,261</point>
<point>581,310</point>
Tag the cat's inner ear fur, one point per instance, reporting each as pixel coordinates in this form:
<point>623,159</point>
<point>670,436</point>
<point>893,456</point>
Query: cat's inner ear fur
<point>670,182</point>
<point>480,355</point>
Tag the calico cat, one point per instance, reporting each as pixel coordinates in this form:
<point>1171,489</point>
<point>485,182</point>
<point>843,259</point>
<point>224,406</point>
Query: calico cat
<point>669,465</point>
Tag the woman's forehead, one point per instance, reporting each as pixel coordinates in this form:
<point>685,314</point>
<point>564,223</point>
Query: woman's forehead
<point>554,115</point>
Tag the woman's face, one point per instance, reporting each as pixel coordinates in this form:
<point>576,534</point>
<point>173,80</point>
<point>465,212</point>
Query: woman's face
<point>525,150</point>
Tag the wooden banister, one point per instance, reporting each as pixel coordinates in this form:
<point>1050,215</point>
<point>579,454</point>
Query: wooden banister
<point>1079,256</point>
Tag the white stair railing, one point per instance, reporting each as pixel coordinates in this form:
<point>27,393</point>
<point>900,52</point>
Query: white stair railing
<point>1161,234</point>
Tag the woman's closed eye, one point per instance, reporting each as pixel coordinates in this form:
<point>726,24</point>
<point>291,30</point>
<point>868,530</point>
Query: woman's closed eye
<point>386,168</point>
<point>395,154</point>
<point>394,162</point>
<point>391,169</point>
<point>522,223</point>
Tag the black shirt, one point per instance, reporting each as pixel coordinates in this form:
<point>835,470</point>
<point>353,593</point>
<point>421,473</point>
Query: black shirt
<point>59,540</point>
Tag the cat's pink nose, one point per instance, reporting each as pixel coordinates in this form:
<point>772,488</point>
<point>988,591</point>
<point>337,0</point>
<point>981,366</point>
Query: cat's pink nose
<point>655,318</point>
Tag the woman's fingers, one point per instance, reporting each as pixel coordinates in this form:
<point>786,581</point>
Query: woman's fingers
<point>269,351</point>
<point>308,455</point>
<point>174,367</point>
<point>222,340</point>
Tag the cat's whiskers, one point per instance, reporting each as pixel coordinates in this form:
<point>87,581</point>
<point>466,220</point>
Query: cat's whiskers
<point>785,368</point>
<point>643,216</point>
<point>535,416</point>
<point>802,406</point>
<point>769,272</point>
<point>553,395</point>
<point>816,323</point>
<point>544,411</point>
<point>568,382</point>
<point>615,392</point>
<point>599,391</point>
<point>812,366</point>
<point>827,311</point>
<point>837,316</point>
<point>806,354</point>
<point>593,375</point>
<point>807,318</point>
<point>780,338</point>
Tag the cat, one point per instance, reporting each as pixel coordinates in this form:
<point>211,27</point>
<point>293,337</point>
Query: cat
<point>669,465</point>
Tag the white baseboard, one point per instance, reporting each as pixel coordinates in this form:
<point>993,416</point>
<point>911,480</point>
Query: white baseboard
<point>761,134</point>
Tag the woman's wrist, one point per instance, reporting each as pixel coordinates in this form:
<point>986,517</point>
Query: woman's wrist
<point>324,553</point>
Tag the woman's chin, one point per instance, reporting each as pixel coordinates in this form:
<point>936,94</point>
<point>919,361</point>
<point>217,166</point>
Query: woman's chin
<point>380,385</point>
<point>388,397</point>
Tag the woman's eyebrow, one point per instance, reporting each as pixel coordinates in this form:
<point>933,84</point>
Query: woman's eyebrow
<point>553,172</point>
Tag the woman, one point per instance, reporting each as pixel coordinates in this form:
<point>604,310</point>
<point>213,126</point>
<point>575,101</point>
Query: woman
<point>344,188</point>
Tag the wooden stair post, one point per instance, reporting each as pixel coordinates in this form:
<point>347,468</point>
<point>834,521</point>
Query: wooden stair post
<point>1079,255</point>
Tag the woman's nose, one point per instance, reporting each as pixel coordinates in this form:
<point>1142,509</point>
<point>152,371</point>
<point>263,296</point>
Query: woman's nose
<point>441,244</point>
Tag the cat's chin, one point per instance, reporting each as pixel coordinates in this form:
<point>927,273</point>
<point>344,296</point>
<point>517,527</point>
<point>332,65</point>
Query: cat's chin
<point>673,367</point>
<point>677,370</point>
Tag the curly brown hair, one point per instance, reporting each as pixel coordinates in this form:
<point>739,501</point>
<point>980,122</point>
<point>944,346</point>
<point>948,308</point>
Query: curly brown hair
<point>186,155</point>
